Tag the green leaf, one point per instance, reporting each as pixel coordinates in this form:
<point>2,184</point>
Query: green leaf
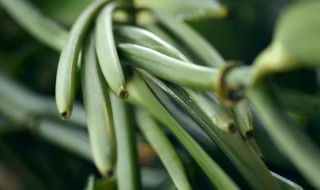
<point>40,26</point>
<point>66,74</point>
<point>107,52</point>
<point>164,149</point>
<point>99,114</point>
<point>128,171</point>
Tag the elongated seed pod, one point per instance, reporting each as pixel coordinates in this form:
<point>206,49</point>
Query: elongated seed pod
<point>139,36</point>
<point>218,113</point>
<point>206,53</point>
<point>142,96</point>
<point>189,75</point>
<point>243,116</point>
<point>157,30</point>
<point>19,103</point>
<point>247,161</point>
<point>66,74</point>
<point>40,26</point>
<point>128,173</point>
<point>164,149</point>
<point>99,114</point>
<point>107,52</point>
<point>296,41</point>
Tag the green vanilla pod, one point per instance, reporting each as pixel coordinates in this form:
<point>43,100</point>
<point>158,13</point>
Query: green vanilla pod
<point>296,41</point>
<point>142,37</point>
<point>107,52</point>
<point>66,74</point>
<point>14,96</point>
<point>247,161</point>
<point>208,55</point>
<point>189,75</point>
<point>165,150</point>
<point>215,112</point>
<point>157,30</point>
<point>142,96</point>
<point>243,116</point>
<point>128,172</point>
<point>218,113</point>
<point>99,113</point>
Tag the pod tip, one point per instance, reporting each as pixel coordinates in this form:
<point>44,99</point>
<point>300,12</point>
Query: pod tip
<point>248,134</point>
<point>65,114</point>
<point>231,127</point>
<point>110,173</point>
<point>123,93</point>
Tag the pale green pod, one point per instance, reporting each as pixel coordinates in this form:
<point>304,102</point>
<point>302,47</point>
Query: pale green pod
<point>128,171</point>
<point>107,52</point>
<point>165,150</point>
<point>141,95</point>
<point>99,114</point>
<point>219,114</point>
<point>243,116</point>
<point>247,161</point>
<point>41,27</point>
<point>14,96</point>
<point>139,36</point>
<point>189,75</point>
<point>66,74</point>
<point>296,40</point>
<point>157,30</point>
<point>208,55</point>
